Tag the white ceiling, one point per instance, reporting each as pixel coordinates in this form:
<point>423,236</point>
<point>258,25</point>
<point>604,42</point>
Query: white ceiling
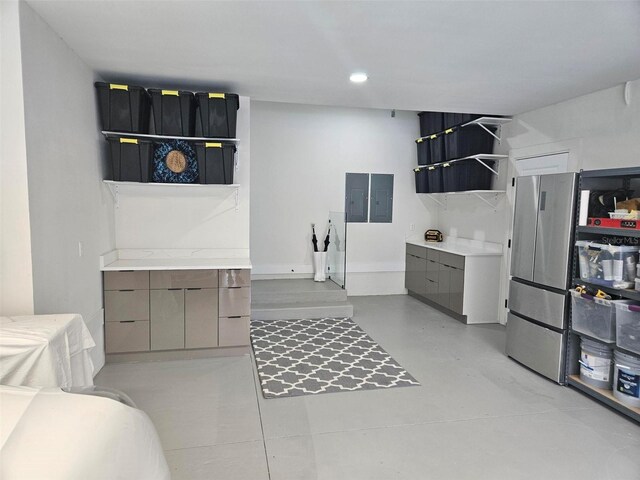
<point>498,57</point>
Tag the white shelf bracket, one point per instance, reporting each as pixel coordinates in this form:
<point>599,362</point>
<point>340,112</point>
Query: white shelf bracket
<point>497,137</point>
<point>115,193</point>
<point>442,204</point>
<point>493,204</point>
<point>487,166</point>
<point>236,162</point>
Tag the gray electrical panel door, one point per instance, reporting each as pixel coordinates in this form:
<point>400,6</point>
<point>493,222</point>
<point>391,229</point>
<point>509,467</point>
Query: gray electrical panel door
<point>381,206</point>
<point>357,197</point>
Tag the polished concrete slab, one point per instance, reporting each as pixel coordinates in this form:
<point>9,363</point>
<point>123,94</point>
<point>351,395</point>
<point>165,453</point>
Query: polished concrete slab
<point>477,414</point>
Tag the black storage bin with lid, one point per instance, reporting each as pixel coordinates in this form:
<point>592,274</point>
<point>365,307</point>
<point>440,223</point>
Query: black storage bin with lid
<point>123,108</point>
<point>174,112</point>
<point>218,114</point>
<point>131,159</point>
<point>431,122</point>
<point>215,162</point>
<point>466,175</point>
<point>452,119</point>
<point>424,151</point>
<point>467,141</point>
<point>422,180</point>
<point>434,179</point>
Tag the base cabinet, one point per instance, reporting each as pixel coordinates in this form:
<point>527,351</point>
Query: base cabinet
<point>176,309</point>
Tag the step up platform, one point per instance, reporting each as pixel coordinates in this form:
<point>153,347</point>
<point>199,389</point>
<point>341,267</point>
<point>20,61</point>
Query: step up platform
<point>292,299</point>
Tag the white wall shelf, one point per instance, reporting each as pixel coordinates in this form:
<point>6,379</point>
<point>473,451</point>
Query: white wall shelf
<point>214,191</point>
<point>481,158</point>
<point>489,197</point>
<point>110,134</point>
<point>483,122</point>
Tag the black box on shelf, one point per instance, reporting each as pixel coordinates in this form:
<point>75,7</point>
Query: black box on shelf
<point>431,122</point>
<point>123,108</point>
<point>422,180</point>
<point>437,149</point>
<point>218,114</point>
<point>215,162</point>
<point>467,141</point>
<point>174,112</point>
<point>466,175</point>
<point>434,179</point>
<point>131,159</point>
<point>424,151</point>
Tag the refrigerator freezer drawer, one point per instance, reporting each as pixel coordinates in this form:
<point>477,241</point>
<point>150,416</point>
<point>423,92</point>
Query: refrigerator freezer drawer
<point>537,347</point>
<point>541,305</point>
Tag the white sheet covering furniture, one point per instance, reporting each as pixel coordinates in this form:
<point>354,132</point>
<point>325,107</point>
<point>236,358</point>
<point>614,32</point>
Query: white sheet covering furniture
<point>53,435</point>
<point>45,351</point>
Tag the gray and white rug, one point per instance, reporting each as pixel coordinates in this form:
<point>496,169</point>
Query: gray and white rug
<point>305,357</point>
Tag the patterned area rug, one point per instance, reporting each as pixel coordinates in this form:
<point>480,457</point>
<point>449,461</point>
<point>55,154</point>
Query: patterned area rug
<point>305,357</point>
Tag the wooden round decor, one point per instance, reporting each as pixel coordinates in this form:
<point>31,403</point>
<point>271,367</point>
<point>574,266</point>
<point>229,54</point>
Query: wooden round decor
<point>176,161</point>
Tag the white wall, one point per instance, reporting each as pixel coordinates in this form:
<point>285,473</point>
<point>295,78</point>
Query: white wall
<point>598,130</point>
<point>300,156</point>
<point>65,168</point>
<point>16,282</point>
<point>190,220</point>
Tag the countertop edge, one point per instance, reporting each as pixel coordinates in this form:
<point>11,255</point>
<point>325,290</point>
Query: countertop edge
<point>454,251</point>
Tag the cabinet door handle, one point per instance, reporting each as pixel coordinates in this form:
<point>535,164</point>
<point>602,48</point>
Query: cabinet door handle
<point>192,289</point>
<point>236,316</point>
<point>174,289</point>
<point>127,321</point>
<point>234,287</point>
<point>127,290</point>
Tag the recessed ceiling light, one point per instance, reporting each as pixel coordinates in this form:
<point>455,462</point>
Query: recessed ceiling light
<point>358,77</point>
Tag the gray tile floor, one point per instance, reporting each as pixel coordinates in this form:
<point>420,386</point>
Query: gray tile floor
<point>477,415</point>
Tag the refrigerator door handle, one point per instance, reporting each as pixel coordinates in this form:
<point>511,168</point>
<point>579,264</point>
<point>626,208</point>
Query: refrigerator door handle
<point>543,201</point>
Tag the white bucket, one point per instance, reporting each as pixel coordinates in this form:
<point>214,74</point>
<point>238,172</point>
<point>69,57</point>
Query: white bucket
<point>626,379</point>
<point>320,266</point>
<point>596,363</point>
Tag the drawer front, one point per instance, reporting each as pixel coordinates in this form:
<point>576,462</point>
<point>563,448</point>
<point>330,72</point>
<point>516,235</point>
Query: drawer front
<point>234,331</point>
<point>539,348</point>
<point>126,337</point>
<point>235,302</point>
<point>167,319</point>
<point>126,305</point>
<point>432,270</point>
<point>432,290</point>
<point>433,255</point>
<point>414,277</point>
<point>129,280</point>
<point>416,251</point>
<point>161,279</point>
<point>235,277</point>
<point>541,305</point>
<point>452,260</point>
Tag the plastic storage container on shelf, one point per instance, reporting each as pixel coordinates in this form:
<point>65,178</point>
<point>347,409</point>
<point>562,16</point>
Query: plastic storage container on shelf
<point>174,112</point>
<point>431,122</point>
<point>471,140</point>
<point>422,180</point>
<point>218,114</point>
<point>424,151</point>
<point>131,159</point>
<point>215,162</point>
<point>596,363</point>
<point>626,379</point>
<point>123,108</point>
<point>628,327</point>
<point>465,175</point>
<point>451,119</point>
<point>609,265</point>
<point>434,179</point>
<point>593,316</point>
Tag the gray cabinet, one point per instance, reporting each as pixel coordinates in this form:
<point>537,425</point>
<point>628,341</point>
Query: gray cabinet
<point>435,275</point>
<point>167,319</point>
<point>200,318</point>
<point>176,309</point>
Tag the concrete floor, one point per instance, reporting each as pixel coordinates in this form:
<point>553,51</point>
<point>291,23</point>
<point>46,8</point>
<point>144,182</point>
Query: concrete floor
<point>478,415</point>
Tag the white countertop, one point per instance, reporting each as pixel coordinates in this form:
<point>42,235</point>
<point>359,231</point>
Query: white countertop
<point>460,246</point>
<point>150,259</point>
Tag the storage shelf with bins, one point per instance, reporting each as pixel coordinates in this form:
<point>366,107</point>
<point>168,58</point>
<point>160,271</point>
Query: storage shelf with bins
<point>481,158</point>
<point>109,134</point>
<point>483,122</point>
<point>612,179</point>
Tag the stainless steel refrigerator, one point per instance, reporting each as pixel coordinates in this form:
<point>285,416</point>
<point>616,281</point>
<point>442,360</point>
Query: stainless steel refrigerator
<point>541,249</point>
